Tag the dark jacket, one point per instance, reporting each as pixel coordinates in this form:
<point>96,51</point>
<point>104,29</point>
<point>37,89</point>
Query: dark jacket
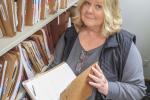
<point>113,55</point>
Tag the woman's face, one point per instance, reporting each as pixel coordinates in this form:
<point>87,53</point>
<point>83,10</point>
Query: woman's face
<point>92,13</point>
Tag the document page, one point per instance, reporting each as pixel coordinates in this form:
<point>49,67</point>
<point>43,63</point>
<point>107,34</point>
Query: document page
<point>49,85</point>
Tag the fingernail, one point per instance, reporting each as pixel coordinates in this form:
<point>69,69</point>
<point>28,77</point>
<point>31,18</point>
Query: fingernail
<point>89,74</point>
<point>90,82</point>
<point>97,64</point>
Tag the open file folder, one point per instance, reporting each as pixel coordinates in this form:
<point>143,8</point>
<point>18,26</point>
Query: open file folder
<point>60,83</point>
<point>49,85</point>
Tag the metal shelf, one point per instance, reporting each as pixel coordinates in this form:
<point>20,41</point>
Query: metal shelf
<point>8,43</point>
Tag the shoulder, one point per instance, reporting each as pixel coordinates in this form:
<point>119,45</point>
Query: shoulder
<point>125,40</point>
<point>134,52</point>
<point>122,42</point>
<point>71,32</point>
<point>122,38</point>
<point>125,36</point>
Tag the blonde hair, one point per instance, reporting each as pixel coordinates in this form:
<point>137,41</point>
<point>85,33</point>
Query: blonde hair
<point>112,21</point>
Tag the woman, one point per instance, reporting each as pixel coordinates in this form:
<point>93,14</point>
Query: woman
<point>98,37</point>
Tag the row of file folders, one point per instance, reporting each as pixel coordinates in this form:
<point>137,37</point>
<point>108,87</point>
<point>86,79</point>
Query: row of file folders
<point>15,14</point>
<point>30,57</point>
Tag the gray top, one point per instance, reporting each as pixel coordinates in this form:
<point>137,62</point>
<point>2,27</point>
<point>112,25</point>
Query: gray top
<point>132,81</point>
<point>79,58</point>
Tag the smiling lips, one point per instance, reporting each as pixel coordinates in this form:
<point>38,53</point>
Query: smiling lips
<point>89,17</point>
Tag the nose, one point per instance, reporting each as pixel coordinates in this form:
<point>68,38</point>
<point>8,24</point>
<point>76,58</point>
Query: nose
<point>90,9</point>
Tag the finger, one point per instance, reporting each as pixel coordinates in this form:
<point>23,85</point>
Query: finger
<point>104,80</point>
<point>94,78</point>
<point>98,67</point>
<point>96,85</point>
<point>97,72</point>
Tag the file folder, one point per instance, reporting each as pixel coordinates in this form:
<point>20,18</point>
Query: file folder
<point>4,16</point>
<point>43,34</point>
<point>2,30</point>
<point>57,29</point>
<point>43,9</point>
<point>59,83</point>
<point>27,64</point>
<point>10,75</point>
<point>63,4</point>
<point>49,85</point>
<point>30,12</point>
<point>79,89</point>
<point>37,64</point>
<point>21,5</point>
<point>3,65</point>
<point>52,6</point>
<point>36,38</point>
<point>48,33</point>
<point>18,77</point>
<point>11,14</point>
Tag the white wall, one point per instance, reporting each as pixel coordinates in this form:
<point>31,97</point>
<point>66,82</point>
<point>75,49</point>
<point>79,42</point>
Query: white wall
<point>136,19</point>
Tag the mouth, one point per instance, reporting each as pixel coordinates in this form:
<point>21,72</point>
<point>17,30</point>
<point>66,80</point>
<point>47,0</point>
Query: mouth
<point>89,17</point>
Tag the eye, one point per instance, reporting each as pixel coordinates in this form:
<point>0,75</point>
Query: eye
<point>86,3</point>
<point>98,6</point>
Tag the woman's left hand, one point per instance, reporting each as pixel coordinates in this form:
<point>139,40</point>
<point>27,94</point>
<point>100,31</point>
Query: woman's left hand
<point>98,80</point>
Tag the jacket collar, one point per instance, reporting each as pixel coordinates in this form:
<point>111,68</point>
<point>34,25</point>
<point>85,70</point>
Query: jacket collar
<point>111,41</point>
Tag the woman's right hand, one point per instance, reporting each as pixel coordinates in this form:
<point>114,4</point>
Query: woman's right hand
<point>99,80</point>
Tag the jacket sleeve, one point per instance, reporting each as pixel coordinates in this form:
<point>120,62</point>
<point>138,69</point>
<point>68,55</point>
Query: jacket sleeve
<point>132,86</point>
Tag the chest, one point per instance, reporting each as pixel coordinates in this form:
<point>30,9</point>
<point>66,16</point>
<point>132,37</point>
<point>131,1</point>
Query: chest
<point>90,42</point>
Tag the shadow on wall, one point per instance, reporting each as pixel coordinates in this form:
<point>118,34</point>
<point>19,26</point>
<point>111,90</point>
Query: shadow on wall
<point>147,79</point>
<point>147,69</point>
<point>147,97</point>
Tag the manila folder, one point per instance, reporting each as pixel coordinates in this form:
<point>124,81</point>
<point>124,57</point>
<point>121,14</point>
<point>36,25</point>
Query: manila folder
<point>79,89</point>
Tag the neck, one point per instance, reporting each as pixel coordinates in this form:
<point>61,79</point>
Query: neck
<point>94,31</point>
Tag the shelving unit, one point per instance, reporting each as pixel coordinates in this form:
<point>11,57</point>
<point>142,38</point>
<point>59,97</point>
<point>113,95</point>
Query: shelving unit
<point>8,43</point>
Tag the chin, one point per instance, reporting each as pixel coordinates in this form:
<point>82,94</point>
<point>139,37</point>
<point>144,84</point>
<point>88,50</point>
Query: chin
<point>87,23</point>
<point>89,26</point>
